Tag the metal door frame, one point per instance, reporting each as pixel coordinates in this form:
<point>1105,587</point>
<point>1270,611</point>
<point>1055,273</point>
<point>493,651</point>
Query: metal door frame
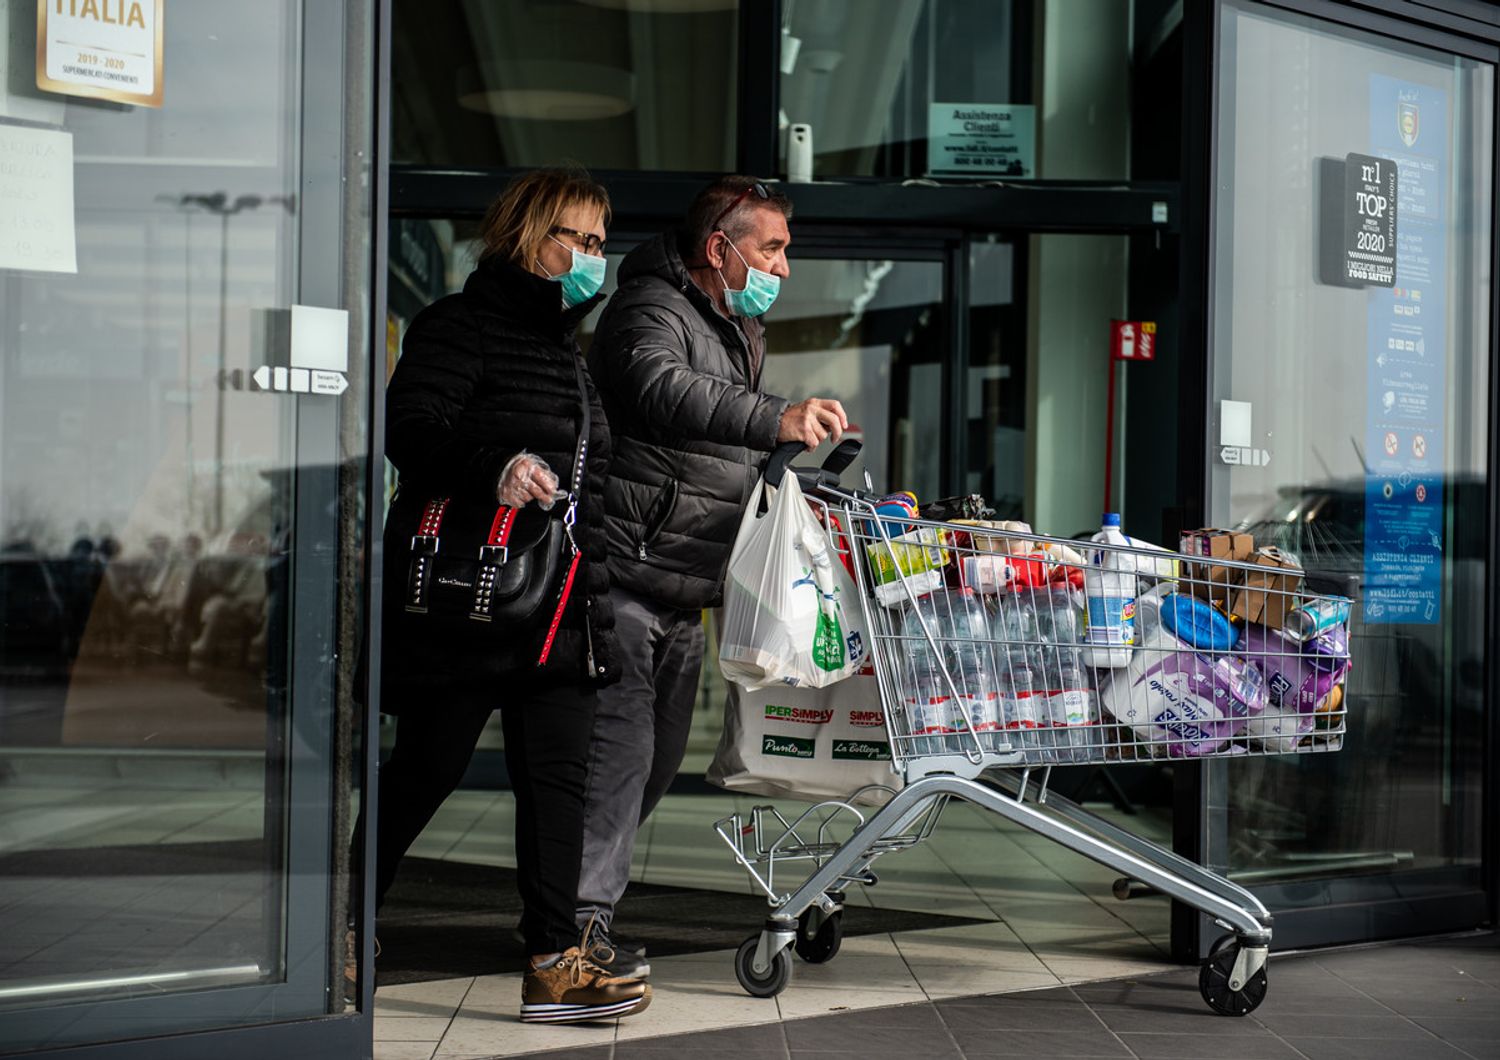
<point>1201,829</point>
<point>328,161</point>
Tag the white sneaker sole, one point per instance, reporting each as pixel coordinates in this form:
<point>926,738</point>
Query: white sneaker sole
<point>583,1013</point>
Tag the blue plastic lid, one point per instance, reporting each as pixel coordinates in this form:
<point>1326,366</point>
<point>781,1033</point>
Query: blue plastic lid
<point>1111,519</point>
<point>1197,623</point>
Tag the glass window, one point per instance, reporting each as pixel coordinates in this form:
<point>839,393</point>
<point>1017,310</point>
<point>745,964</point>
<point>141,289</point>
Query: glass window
<point>612,84</point>
<point>959,89</point>
<point>1367,397</point>
<point>871,334</point>
<point>178,544</point>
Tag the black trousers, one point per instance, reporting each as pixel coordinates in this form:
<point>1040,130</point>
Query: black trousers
<point>547,736</point>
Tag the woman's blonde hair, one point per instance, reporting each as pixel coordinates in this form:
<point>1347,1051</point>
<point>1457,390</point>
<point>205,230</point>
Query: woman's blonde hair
<point>523,216</point>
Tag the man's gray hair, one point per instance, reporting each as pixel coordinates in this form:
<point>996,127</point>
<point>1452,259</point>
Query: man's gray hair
<point>715,199</point>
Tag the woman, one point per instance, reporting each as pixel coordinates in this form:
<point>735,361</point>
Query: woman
<point>485,404</point>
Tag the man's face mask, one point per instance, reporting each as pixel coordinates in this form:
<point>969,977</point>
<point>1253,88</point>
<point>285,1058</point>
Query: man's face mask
<point>583,280</point>
<point>760,290</point>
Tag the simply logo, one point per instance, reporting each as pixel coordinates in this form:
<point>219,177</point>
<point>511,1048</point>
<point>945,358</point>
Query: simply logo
<point>861,751</point>
<point>788,747</point>
<point>866,719</point>
<point>802,714</point>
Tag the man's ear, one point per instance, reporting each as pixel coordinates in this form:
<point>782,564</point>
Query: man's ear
<point>713,249</point>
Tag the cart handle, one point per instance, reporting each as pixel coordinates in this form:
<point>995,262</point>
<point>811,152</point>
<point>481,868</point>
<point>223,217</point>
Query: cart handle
<point>834,464</point>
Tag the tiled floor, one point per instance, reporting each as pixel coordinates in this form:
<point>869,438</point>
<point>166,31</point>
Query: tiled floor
<point>1422,1001</point>
<point>1051,922</point>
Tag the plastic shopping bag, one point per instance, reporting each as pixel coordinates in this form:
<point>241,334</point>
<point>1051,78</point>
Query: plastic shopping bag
<point>806,743</point>
<point>790,612</point>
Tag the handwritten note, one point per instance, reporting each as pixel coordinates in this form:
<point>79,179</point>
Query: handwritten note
<point>36,200</point>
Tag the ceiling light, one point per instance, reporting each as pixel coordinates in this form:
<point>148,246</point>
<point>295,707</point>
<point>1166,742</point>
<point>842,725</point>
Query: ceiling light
<point>667,7</point>
<point>550,91</point>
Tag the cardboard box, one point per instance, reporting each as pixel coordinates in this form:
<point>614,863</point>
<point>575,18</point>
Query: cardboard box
<point>1209,581</point>
<point>1268,593</point>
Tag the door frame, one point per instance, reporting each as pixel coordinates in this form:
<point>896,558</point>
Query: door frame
<point>328,212</point>
<point>1201,828</point>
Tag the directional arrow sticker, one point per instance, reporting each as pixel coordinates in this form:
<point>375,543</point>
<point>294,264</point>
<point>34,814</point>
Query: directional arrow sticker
<point>300,380</point>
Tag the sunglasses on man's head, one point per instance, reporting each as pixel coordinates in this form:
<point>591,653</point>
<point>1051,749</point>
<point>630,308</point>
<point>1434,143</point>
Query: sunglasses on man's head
<point>757,188</point>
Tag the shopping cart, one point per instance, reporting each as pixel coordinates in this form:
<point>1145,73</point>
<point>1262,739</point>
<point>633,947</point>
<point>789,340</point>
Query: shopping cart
<point>990,674</point>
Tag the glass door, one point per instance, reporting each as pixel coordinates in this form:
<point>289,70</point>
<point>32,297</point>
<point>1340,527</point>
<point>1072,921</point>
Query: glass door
<point>1350,426</point>
<point>181,437</point>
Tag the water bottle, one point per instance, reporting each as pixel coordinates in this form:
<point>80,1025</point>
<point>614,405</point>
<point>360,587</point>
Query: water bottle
<point>1073,711</point>
<point>1048,673</point>
<point>929,707</point>
<point>1021,708</point>
<point>1109,591</point>
<point>1014,629</point>
<point>979,692</point>
<point>914,641</point>
<point>964,617</point>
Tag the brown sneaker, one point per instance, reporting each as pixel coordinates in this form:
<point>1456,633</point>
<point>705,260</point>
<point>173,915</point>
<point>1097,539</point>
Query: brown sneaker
<point>573,989</point>
<point>351,964</point>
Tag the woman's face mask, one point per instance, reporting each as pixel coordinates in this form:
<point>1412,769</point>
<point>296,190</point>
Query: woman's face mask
<point>759,292</point>
<point>583,280</point>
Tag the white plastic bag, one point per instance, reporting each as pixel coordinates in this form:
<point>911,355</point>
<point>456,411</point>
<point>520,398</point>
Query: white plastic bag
<point>790,612</point>
<point>806,743</point>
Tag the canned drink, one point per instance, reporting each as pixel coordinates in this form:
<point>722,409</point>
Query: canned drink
<point>1315,617</point>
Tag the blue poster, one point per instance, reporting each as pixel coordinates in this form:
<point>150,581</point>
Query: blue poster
<point>1406,372</point>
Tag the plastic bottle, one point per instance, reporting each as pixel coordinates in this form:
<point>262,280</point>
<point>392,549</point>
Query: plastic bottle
<point>1021,708</point>
<point>979,694</point>
<point>1014,629</point>
<point>929,708</point>
<point>915,641</point>
<point>1109,588</point>
<point>1073,710</point>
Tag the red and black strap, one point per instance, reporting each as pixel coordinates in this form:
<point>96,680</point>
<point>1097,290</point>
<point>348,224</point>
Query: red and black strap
<point>424,545</point>
<point>493,555</point>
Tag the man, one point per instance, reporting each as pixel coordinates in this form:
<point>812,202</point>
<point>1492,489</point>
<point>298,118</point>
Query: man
<point>678,355</point>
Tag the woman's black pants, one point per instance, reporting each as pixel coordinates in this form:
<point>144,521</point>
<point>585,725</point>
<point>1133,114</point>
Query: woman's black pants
<point>547,735</point>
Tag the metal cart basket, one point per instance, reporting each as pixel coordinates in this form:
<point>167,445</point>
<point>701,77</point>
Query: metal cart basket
<point>999,655</point>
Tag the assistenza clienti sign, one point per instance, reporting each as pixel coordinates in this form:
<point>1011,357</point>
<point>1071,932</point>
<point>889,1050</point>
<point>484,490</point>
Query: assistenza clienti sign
<point>103,49</point>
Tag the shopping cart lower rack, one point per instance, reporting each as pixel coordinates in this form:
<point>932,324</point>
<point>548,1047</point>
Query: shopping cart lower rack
<point>988,680</point>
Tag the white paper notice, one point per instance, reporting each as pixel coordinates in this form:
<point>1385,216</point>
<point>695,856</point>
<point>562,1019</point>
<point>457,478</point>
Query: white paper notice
<point>36,200</point>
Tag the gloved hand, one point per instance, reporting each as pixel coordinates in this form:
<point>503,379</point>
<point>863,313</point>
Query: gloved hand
<point>527,478</point>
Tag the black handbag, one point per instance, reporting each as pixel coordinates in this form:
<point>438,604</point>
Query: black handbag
<point>493,573</point>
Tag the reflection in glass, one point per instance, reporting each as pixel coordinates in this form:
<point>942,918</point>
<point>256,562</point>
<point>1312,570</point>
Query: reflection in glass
<point>1400,808</point>
<point>611,85</point>
<point>147,522</point>
<point>879,82</point>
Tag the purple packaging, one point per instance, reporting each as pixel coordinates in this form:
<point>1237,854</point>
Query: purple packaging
<point>1297,678</point>
<point>1189,702</point>
<point>1330,651</point>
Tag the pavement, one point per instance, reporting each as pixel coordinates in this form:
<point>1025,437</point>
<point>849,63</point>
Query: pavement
<point>1435,999</point>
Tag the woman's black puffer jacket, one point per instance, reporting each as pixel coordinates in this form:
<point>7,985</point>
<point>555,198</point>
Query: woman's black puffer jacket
<point>483,375</point>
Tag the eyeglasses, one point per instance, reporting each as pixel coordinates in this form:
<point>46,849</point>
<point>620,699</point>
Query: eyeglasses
<point>758,188</point>
<point>592,244</point>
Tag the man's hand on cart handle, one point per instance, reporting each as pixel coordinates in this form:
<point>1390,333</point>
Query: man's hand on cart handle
<point>810,421</point>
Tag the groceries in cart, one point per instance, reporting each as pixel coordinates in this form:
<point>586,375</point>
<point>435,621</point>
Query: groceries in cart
<point>994,647</point>
<point>1113,650</point>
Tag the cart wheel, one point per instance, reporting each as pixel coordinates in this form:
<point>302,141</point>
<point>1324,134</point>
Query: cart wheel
<point>1213,981</point>
<point>824,945</point>
<point>773,981</point>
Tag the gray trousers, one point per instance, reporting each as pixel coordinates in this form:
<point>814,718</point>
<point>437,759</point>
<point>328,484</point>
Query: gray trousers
<point>640,735</point>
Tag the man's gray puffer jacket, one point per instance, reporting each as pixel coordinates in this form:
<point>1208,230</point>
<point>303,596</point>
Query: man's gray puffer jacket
<point>681,384</point>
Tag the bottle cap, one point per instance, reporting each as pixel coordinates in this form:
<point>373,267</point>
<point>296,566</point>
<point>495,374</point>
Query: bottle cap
<point>1111,519</point>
